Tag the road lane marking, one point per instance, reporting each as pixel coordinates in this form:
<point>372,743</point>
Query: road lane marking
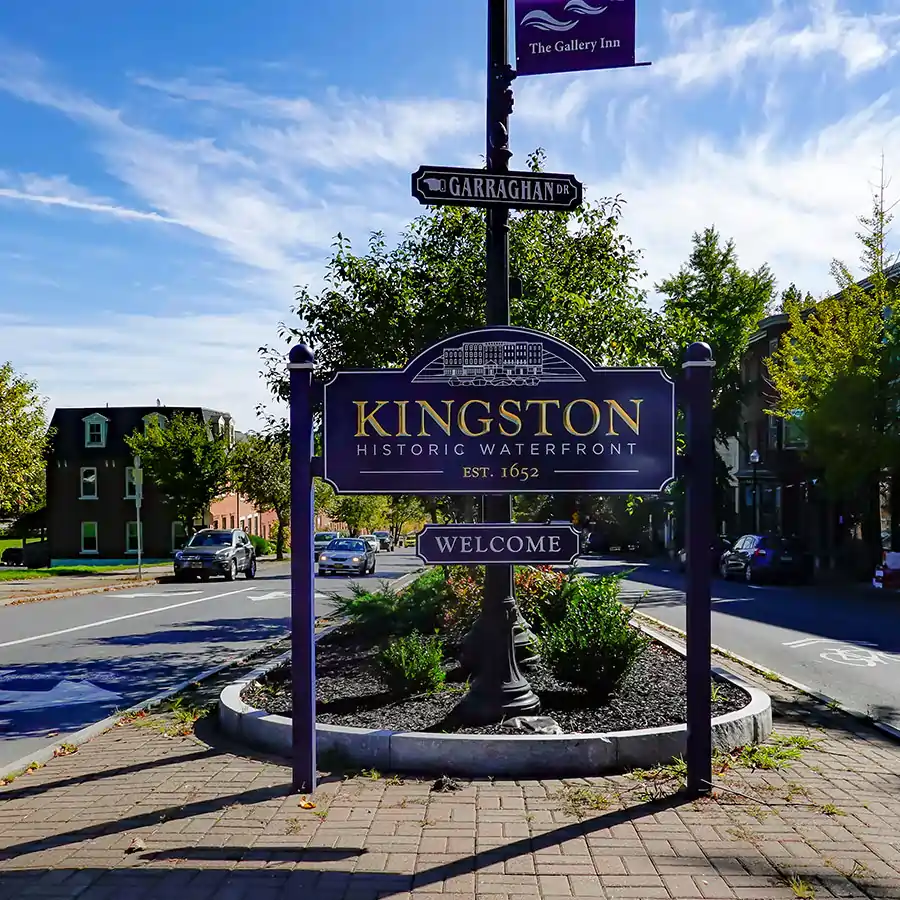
<point>161,594</point>
<point>272,595</point>
<point>135,615</point>
<point>808,641</point>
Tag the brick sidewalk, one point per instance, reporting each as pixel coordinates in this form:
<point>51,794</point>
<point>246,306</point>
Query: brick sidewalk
<point>135,815</point>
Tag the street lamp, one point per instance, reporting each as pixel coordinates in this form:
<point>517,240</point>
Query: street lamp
<point>754,461</point>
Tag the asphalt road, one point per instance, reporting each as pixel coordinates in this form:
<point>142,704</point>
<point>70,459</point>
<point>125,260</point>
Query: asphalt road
<point>70,662</point>
<point>842,643</point>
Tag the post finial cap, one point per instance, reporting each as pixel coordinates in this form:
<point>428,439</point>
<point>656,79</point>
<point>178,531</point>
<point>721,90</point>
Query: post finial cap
<point>301,357</point>
<point>698,355</point>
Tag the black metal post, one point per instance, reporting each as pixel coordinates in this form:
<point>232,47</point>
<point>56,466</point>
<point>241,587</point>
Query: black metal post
<point>755,499</point>
<point>698,368</point>
<point>498,690</point>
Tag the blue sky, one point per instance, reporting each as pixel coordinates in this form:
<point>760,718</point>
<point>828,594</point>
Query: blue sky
<point>168,172</point>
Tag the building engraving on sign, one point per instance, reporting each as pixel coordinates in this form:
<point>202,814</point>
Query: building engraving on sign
<point>498,363</point>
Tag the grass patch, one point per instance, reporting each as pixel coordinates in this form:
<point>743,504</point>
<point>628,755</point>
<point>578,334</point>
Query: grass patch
<point>579,802</point>
<point>16,573</point>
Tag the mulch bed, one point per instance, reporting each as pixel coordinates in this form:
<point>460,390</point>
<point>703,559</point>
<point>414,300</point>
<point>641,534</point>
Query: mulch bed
<point>350,692</point>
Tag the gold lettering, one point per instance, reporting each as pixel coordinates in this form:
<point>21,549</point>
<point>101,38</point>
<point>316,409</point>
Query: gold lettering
<point>510,417</point>
<point>595,412</point>
<point>401,418</point>
<point>363,418</point>
<point>542,405</point>
<point>485,423</point>
<point>634,424</point>
<point>443,424</point>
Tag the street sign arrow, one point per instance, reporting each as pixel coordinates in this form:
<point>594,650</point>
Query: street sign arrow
<point>451,186</point>
<point>66,693</point>
<point>272,595</point>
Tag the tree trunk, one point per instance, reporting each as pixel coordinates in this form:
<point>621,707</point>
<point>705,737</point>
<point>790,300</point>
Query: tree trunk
<point>279,540</point>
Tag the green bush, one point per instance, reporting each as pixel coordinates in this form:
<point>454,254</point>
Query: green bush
<point>413,664</point>
<point>592,646</point>
<point>389,612</point>
<point>260,545</point>
<point>273,533</point>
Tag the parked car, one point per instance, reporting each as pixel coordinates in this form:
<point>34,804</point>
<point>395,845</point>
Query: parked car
<point>385,541</point>
<point>371,540</point>
<point>216,552</point>
<point>13,556</point>
<point>347,555</point>
<point>322,539</point>
<point>760,557</point>
<point>719,546</point>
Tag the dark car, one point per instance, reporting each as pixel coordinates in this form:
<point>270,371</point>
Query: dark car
<point>385,541</point>
<point>13,556</point>
<point>347,555</point>
<point>719,546</point>
<point>761,557</point>
<point>214,552</point>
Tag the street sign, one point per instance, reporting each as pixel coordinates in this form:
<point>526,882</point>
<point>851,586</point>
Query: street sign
<point>501,544</point>
<point>500,411</point>
<point>449,186</point>
<point>574,35</point>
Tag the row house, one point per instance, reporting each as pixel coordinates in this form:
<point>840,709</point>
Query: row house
<point>91,513</point>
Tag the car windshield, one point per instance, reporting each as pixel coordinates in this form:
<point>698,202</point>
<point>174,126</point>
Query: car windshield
<point>210,539</point>
<point>381,534</point>
<point>325,536</point>
<point>347,545</point>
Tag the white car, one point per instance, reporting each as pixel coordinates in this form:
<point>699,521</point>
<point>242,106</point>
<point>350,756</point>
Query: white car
<point>347,555</point>
<point>372,541</point>
<point>322,539</point>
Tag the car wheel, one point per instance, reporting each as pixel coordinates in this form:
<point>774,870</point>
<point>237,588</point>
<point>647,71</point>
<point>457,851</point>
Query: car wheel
<point>250,572</point>
<point>723,570</point>
<point>203,577</point>
<point>749,575</point>
<point>231,574</point>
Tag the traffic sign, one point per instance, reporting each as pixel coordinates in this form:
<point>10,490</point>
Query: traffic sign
<point>449,186</point>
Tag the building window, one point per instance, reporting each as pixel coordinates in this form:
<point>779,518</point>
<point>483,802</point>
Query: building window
<point>89,537</point>
<point>179,535</point>
<point>95,427</point>
<point>794,435</point>
<point>773,432</point>
<point>130,484</point>
<point>88,484</point>
<point>157,418</point>
<point>132,545</point>
<point>216,524</point>
<point>232,520</point>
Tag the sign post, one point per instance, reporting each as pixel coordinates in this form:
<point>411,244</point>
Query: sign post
<point>698,368</point>
<point>138,499</point>
<point>303,608</point>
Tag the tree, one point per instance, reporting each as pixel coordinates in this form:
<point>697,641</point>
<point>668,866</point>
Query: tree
<point>837,374</point>
<point>187,462</point>
<point>324,497</point>
<point>401,510</point>
<point>713,299</point>
<point>578,275</point>
<point>360,513</point>
<point>261,472</point>
<point>24,438</point>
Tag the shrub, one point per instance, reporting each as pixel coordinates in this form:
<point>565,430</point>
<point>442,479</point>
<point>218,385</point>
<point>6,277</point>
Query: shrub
<point>260,545</point>
<point>592,646</point>
<point>273,532</point>
<point>389,612</point>
<point>413,664</point>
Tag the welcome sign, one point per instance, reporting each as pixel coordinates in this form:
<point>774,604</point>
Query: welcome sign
<point>500,411</point>
<point>574,35</point>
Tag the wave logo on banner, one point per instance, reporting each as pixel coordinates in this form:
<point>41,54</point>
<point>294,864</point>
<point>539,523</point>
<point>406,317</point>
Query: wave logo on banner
<point>544,21</point>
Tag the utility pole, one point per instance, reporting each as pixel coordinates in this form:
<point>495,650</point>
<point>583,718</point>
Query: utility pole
<point>498,690</point>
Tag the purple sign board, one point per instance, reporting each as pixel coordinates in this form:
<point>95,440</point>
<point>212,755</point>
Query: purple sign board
<point>574,35</point>
<point>469,545</point>
<point>500,411</point>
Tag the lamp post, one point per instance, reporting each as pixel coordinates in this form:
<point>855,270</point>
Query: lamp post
<point>754,461</point>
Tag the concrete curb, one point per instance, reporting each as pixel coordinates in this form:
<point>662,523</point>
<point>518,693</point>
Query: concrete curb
<point>505,756</point>
<point>45,754</point>
<point>884,727</point>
